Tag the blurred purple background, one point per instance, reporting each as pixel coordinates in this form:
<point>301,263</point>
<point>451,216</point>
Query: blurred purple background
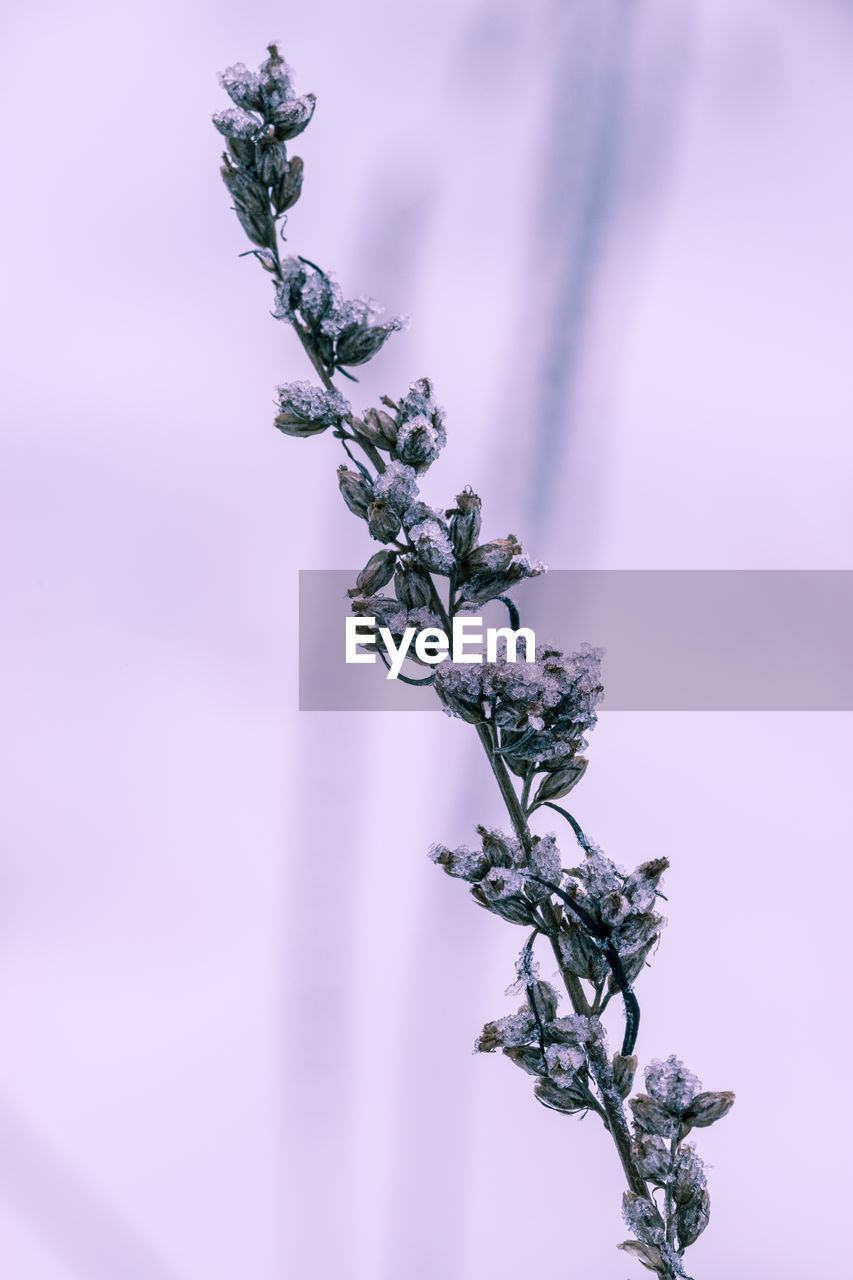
<point>237,1002</point>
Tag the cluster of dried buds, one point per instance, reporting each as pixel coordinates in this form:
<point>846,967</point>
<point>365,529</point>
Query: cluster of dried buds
<point>532,718</point>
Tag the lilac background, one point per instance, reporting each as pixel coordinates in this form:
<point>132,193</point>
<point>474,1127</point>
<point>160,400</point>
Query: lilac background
<point>237,1003</point>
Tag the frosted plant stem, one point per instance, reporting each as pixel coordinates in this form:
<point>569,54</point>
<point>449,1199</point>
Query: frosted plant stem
<point>537,727</point>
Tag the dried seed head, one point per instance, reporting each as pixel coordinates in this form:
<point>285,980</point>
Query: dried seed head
<point>276,79</point>
<point>270,159</point>
<point>378,571</point>
<point>689,1175</point>
<point>496,896</point>
<point>242,86</point>
<point>652,1157</point>
<point>290,117</point>
<point>516,1029</point>
<point>568,1101</point>
<point>419,442</point>
<point>397,486</point>
<point>412,587</point>
<point>624,1069</point>
<point>379,427</point>
<point>671,1084</point>
<point>306,410</point>
<point>498,848</point>
<point>493,557</point>
<point>432,542</point>
<point>289,188</point>
<point>528,1057</point>
<point>579,953</point>
<point>383,523</point>
<point>543,1000</point>
<point>462,864</point>
<point>642,1216</point>
<point>561,781</point>
<point>648,1254</point>
<point>233,122</point>
<point>651,1117</point>
<point>692,1218</point>
<point>707,1108</point>
<point>356,490</point>
<point>358,343</point>
<point>465,519</point>
<point>564,1062</point>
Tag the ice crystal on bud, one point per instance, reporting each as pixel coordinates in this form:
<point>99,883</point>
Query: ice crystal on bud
<point>234,122</point>
<point>419,442</point>
<point>564,1062</point>
<point>242,86</point>
<point>312,404</point>
<point>671,1084</point>
<point>433,546</point>
<point>506,1033</point>
<point>397,487</point>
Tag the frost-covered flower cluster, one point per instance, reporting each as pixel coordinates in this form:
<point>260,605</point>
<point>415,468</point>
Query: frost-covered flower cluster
<point>620,907</point>
<point>663,1117</point>
<point>543,709</point>
<point>532,718</point>
<point>506,876</point>
<point>342,331</point>
<point>306,410</point>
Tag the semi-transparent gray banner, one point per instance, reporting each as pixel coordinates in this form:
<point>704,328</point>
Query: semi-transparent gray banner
<point>675,640</point>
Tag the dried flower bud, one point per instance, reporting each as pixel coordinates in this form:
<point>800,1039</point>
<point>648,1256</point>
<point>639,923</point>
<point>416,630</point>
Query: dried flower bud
<point>493,557</point>
<point>551,1095</point>
<point>509,906</point>
<point>641,886</point>
<point>564,1062</point>
<point>671,1084</point>
<point>651,1117</point>
<point>528,1058</point>
<point>613,908</point>
<point>692,1218</point>
<point>465,519</point>
<point>689,1175</point>
<point>289,118</point>
<point>233,122</point>
<point>624,1069</point>
<point>652,1157</point>
<point>431,540</point>
<point>579,952</point>
<point>635,932</point>
<point>289,188</point>
<point>516,1029</point>
<point>560,782</point>
<point>383,523</point>
<point>356,490</point>
<point>259,230</point>
<point>376,573</point>
<point>242,150</point>
<point>642,1216</point>
<point>275,78</point>
<point>707,1108</point>
<point>462,864</point>
<point>543,999</point>
<point>358,343</point>
<point>270,159</point>
<point>500,851</point>
<point>306,410</point>
<point>412,587</point>
<point>648,1254</point>
<point>242,86</point>
<point>379,427</point>
<point>419,441</point>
